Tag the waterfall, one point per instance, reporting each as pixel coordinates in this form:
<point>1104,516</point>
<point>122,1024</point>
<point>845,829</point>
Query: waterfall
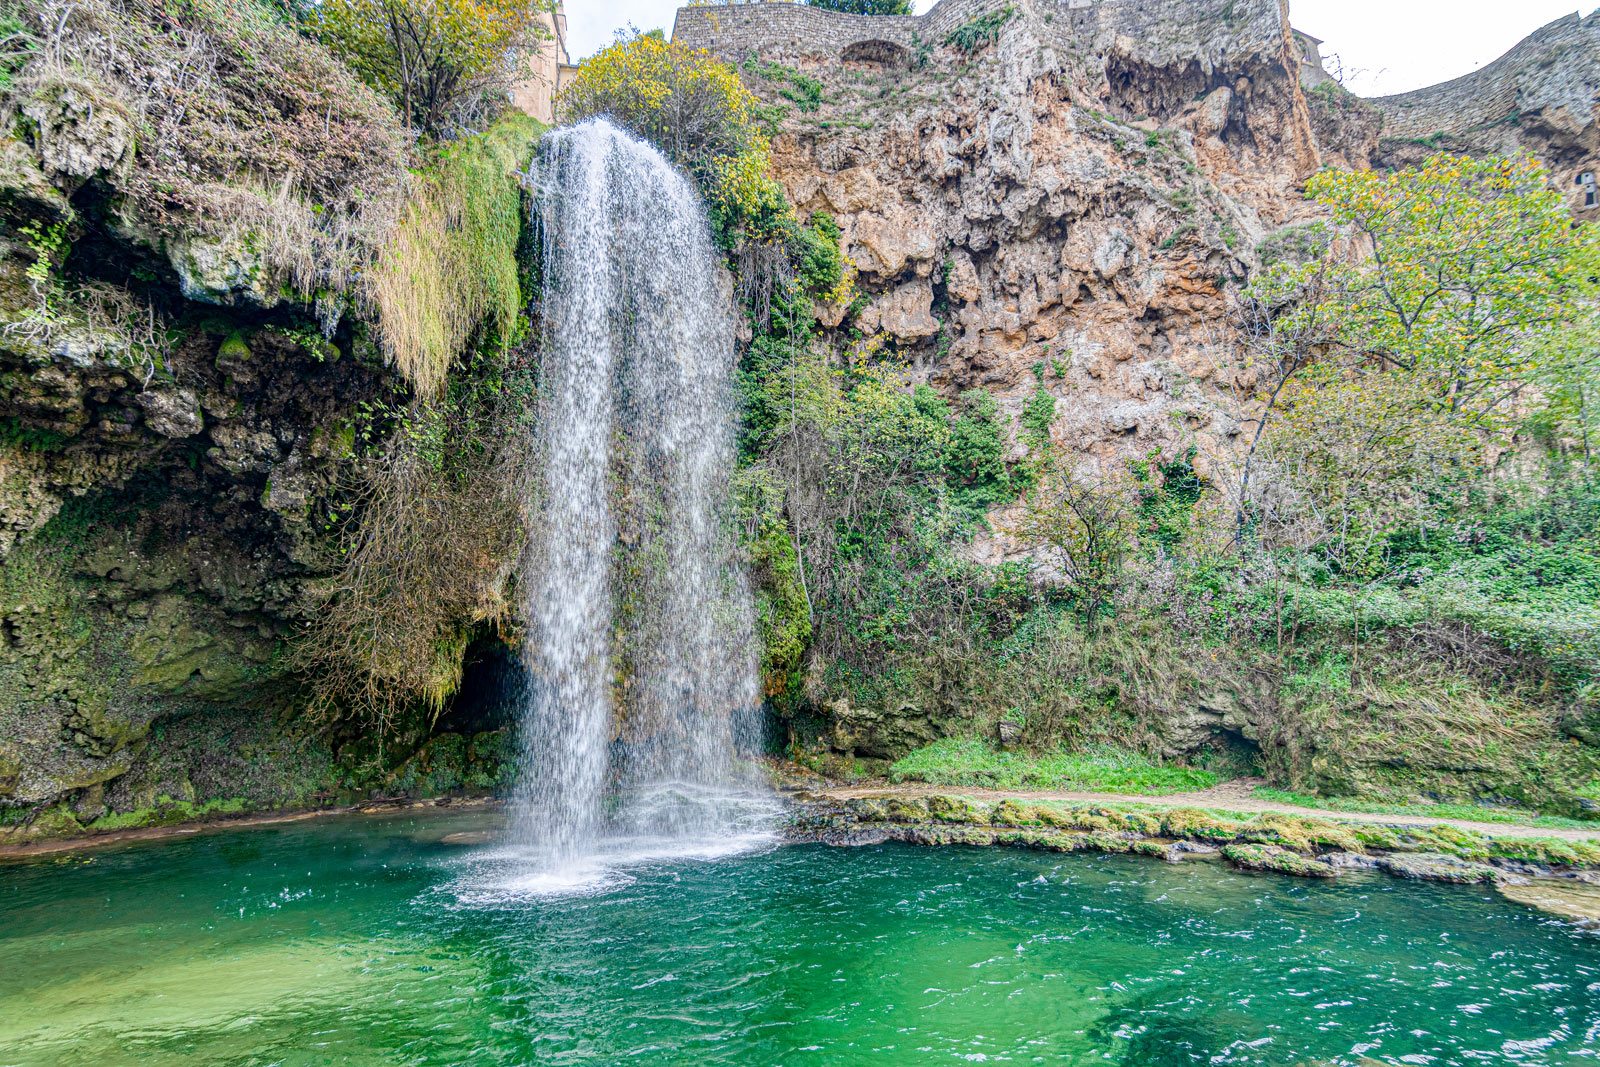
<point>639,640</point>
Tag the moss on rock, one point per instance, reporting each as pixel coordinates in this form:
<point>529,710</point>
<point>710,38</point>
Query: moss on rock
<point>1275,859</point>
<point>955,809</point>
<point>1193,822</point>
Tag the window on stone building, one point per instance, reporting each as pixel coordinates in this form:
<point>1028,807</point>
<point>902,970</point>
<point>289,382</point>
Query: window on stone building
<point>1587,184</point>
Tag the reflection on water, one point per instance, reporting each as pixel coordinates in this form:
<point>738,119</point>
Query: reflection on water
<point>365,941</point>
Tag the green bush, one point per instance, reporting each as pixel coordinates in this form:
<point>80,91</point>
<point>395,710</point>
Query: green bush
<point>980,31</point>
<point>975,457</point>
<point>1037,415</point>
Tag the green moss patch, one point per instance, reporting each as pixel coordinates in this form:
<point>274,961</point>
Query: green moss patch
<point>1277,860</point>
<point>966,761</point>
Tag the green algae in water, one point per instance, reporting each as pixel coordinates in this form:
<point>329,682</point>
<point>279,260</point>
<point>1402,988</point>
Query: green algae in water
<point>368,941</point>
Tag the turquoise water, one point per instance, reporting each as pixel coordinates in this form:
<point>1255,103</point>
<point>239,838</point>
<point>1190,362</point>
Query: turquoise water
<point>369,941</point>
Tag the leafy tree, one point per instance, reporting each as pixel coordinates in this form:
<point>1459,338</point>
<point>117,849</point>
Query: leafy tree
<point>1469,263</point>
<point>1284,322</point>
<point>1570,381</point>
<point>1573,408</point>
<point>691,105</point>
<point>865,7</point>
<point>438,59</point>
<point>1086,524</point>
<point>1387,352</point>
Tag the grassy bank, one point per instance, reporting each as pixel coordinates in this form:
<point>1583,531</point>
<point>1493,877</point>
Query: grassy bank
<point>1474,812</point>
<point>1100,768</point>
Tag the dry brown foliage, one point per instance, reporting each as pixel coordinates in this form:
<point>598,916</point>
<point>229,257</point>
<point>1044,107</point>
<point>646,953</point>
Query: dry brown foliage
<point>429,557</point>
<point>247,133</point>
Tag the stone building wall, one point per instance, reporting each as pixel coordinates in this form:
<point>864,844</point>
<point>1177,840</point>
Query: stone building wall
<point>535,95</point>
<point>1557,68</point>
<point>1543,96</point>
<point>1164,29</point>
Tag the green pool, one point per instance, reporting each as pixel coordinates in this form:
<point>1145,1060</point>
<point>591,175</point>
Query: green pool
<point>371,941</point>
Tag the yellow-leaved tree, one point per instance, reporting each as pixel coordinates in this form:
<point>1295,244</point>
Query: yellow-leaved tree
<point>1408,336</point>
<point>693,107</point>
<point>687,102</point>
<point>442,61</point>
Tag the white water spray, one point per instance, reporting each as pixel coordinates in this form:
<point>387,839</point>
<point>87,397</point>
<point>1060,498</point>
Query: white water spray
<point>640,635</point>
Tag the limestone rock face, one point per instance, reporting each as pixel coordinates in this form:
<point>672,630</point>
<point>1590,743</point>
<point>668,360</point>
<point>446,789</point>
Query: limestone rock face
<point>157,469</point>
<point>80,135</point>
<point>218,271</point>
<point>1076,197</point>
<point>1085,190</point>
<point>186,211</point>
<point>904,313</point>
<point>173,413</point>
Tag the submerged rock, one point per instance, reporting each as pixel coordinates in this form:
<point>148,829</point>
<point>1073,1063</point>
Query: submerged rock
<point>1574,900</point>
<point>1437,867</point>
<point>1278,860</point>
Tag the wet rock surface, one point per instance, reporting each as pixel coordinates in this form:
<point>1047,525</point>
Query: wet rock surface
<point>1433,867</point>
<point>1266,842</point>
<point>174,410</point>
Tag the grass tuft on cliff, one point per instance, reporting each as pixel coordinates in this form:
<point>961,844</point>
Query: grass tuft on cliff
<point>226,124</point>
<point>1100,768</point>
<point>450,269</point>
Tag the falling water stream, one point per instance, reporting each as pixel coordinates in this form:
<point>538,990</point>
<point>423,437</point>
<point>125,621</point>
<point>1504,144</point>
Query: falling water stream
<point>640,639</point>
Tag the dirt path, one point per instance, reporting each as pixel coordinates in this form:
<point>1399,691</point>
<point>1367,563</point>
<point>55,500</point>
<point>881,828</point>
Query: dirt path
<point>1238,795</point>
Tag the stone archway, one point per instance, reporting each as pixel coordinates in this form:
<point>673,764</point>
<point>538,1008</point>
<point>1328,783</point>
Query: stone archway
<point>883,54</point>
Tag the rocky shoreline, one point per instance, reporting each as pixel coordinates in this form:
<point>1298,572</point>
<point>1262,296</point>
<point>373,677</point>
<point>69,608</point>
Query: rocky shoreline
<point>230,821</point>
<point>1560,876</point>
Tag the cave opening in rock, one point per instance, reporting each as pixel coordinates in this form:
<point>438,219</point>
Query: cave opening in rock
<point>881,55</point>
<point>494,686</point>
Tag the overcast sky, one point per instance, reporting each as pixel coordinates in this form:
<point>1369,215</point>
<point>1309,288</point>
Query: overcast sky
<point>1385,46</point>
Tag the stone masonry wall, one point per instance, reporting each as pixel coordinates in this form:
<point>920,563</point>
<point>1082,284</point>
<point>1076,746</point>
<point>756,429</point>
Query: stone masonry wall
<point>1555,68</point>
<point>1543,96</point>
<point>1160,27</point>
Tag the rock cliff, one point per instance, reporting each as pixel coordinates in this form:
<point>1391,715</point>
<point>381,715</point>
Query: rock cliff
<point>1061,195</point>
<point>185,394</point>
<point>1077,193</point>
<point>1076,183</point>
